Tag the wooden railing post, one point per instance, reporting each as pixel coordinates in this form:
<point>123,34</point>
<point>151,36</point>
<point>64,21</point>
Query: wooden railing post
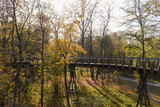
<point>149,63</point>
<point>75,61</point>
<point>109,63</point>
<point>103,62</point>
<point>96,61</point>
<point>89,61</point>
<point>157,62</point>
<point>116,64</point>
<point>103,79</point>
<point>122,64</point>
<point>91,67</point>
<point>152,67</point>
<point>144,66</point>
<point>158,70</point>
<point>130,64</point>
<point>140,63</point>
<point>81,71</point>
<point>137,66</point>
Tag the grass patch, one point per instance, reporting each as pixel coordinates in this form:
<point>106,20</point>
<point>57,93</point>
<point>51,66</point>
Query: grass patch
<point>94,95</point>
<point>115,92</point>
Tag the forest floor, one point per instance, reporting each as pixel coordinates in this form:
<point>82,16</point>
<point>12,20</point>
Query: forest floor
<point>114,92</point>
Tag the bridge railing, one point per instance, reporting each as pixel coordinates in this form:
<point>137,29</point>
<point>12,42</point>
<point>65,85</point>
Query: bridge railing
<point>151,65</point>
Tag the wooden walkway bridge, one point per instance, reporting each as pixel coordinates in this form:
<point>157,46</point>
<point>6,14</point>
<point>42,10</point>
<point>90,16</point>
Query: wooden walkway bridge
<point>143,66</point>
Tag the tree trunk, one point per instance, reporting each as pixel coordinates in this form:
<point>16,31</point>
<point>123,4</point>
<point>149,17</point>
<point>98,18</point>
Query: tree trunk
<point>92,73</point>
<point>42,85</point>
<point>90,44</point>
<point>65,80</point>
<point>82,40</point>
<point>82,44</point>
<point>97,73</point>
<point>18,66</point>
<point>42,69</point>
<point>14,58</point>
<point>19,69</point>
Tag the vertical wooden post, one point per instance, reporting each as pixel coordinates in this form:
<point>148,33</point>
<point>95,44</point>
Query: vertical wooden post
<point>96,61</point>
<point>158,70</point>
<point>81,71</point>
<point>109,63</point>
<point>130,64</point>
<point>102,62</point>
<point>89,61</point>
<point>82,60</point>
<point>149,63</point>
<point>157,62</point>
<point>75,61</point>
<point>97,68</point>
<point>122,64</point>
<point>92,71</point>
<point>103,79</point>
<point>116,64</point>
<point>152,67</point>
<point>140,63</point>
<point>137,66</point>
<point>144,66</point>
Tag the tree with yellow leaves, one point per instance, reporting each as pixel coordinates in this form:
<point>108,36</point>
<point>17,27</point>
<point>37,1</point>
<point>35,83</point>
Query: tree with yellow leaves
<point>64,48</point>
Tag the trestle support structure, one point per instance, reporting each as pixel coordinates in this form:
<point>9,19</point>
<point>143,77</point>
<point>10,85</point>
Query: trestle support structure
<point>72,88</point>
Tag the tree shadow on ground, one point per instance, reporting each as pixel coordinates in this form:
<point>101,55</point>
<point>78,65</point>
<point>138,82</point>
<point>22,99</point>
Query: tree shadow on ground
<point>107,92</point>
<point>129,95</point>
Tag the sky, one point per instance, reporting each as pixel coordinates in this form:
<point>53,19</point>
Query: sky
<point>114,25</point>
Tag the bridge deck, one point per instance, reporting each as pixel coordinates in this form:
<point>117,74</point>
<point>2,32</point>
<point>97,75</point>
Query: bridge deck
<point>116,66</point>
